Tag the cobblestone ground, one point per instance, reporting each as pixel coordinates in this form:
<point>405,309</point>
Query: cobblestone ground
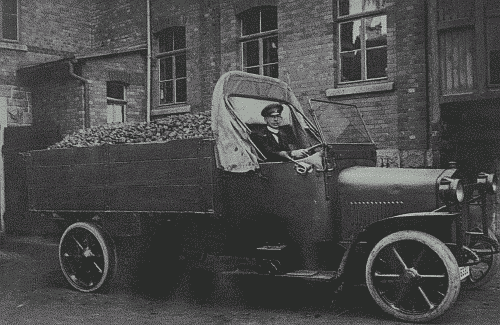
<point>34,291</point>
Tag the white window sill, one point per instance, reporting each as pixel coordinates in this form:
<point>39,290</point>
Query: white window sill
<point>360,89</point>
<point>13,46</point>
<point>174,109</point>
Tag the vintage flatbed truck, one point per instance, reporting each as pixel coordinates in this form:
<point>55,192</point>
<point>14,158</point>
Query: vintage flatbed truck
<point>408,234</point>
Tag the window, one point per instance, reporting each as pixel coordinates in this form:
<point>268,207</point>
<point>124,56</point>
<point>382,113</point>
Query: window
<point>493,45</point>
<point>456,60</point>
<point>115,93</point>
<point>456,46</point>
<point>9,20</point>
<point>172,63</point>
<point>259,41</point>
<point>363,40</point>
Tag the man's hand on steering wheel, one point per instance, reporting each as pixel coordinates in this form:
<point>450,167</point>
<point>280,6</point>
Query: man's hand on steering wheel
<point>299,153</point>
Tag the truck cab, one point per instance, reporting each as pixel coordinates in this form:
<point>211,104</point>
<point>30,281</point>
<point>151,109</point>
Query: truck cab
<point>335,214</point>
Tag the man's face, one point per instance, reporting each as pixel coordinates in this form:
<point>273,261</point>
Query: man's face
<point>274,121</point>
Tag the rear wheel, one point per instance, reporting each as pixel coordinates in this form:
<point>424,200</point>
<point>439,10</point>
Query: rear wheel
<point>87,257</point>
<point>482,273</point>
<point>412,276</point>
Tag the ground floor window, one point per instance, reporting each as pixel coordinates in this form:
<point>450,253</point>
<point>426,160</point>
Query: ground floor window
<point>9,20</point>
<point>493,38</point>
<point>115,112</point>
<point>173,79</point>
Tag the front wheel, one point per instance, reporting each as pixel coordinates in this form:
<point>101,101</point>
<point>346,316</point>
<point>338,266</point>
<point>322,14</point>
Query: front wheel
<point>87,257</point>
<point>413,276</point>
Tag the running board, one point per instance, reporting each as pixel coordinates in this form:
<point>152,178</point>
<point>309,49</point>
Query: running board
<point>311,275</point>
<point>301,274</point>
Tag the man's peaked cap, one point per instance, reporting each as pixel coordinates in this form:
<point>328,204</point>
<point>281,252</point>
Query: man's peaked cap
<point>272,110</point>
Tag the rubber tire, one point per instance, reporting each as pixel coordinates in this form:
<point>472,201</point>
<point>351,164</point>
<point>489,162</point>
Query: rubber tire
<point>442,251</point>
<point>468,284</point>
<point>108,254</point>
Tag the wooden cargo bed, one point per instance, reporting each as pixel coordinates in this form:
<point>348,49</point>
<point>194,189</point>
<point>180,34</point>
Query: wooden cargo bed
<point>175,176</point>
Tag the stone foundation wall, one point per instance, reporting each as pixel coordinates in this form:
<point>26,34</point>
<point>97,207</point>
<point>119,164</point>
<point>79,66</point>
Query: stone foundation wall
<point>396,158</point>
<point>19,106</point>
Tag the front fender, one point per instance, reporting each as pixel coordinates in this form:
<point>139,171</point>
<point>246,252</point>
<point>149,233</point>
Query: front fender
<point>437,224</point>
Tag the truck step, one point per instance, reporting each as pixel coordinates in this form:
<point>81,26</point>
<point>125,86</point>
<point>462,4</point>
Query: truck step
<point>272,248</point>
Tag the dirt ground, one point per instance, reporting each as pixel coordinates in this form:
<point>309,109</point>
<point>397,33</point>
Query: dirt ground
<point>34,291</point>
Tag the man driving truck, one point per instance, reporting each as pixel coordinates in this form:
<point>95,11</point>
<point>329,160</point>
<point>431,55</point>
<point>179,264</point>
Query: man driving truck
<point>277,142</point>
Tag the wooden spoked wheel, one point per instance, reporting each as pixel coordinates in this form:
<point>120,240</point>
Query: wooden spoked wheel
<point>413,276</point>
<point>87,257</point>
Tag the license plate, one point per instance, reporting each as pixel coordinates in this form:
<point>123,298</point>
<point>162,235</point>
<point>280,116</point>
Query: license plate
<point>464,272</point>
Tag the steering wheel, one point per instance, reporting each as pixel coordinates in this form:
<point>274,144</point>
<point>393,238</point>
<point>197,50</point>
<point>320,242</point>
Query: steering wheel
<point>313,147</point>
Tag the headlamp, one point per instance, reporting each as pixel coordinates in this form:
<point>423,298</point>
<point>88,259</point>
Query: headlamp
<point>451,190</point>
<point>489,180</point>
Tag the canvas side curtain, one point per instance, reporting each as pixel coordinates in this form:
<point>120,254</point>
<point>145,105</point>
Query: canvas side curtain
<point>234,152</point>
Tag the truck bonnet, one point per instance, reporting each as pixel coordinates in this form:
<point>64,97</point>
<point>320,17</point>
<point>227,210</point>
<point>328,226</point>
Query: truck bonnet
<point>389,191</point>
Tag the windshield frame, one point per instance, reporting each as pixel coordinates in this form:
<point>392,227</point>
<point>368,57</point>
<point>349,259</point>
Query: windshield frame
<point>313,113</point>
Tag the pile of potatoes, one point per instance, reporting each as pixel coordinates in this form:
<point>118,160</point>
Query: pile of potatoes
<point>173,127</point>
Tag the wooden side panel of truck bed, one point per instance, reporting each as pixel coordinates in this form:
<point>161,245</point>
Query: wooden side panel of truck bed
<point>176,176</point>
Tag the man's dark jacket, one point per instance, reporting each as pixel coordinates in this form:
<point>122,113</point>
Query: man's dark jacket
<point>265,141</point>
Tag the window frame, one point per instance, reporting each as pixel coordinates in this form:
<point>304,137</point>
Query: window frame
<point>362,17</point>
<point>17,14</point>
<point>489,48</point>
<point>260,37</point>
<point>489,68</point>
<point>117,101</point>
<point>174,54</point>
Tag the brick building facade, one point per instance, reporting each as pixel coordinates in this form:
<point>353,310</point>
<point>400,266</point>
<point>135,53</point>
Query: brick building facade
<point>396,60</point>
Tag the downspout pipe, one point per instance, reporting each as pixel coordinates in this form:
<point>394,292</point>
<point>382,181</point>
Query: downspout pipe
<point>428,78</point>
<point>148,62</point>
<point>432,81</point>
<point>85,82</point>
